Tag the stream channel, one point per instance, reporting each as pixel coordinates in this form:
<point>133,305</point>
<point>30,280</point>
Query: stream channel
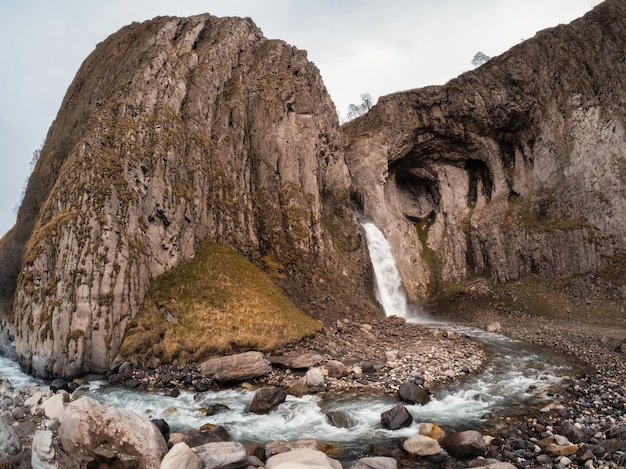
<point>516,378</point>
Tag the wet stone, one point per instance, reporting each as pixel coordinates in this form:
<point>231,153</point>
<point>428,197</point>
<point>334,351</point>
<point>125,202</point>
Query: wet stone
<point>396,417</point>
<point>339,419</point>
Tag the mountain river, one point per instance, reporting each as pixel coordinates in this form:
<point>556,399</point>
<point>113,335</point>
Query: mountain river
<point>501,388</point>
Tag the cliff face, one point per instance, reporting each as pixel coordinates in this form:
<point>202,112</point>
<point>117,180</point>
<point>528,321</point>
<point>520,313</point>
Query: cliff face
<point>517,167</point>
<point>175,130</point>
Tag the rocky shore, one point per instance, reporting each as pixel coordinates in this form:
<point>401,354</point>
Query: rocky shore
<point>588,429</point>
<point>593,418</point>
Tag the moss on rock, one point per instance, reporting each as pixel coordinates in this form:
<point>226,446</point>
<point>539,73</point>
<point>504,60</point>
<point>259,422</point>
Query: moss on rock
<point>217,302</point>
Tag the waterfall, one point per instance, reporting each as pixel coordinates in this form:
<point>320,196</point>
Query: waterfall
<point>389,289</point>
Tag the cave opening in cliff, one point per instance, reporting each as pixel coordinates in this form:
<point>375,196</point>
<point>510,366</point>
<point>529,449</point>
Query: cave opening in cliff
<point>479,179</point>
<point>418,194</point>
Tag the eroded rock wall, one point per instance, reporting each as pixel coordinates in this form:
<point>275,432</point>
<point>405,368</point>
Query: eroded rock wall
<point>517,167</point>
<point>174,130</point>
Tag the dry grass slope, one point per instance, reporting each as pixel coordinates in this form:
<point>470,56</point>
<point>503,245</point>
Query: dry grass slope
<point>216,303</point>
<point>583,299</point>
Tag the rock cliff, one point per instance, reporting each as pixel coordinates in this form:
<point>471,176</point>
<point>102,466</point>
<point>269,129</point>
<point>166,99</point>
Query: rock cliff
<point>175,130</point>
<point>515,168</point>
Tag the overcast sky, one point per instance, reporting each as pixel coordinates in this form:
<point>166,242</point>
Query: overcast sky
<point>360,46</point>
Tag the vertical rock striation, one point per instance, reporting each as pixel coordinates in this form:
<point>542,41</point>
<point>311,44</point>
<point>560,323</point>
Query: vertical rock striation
<point>517,167</point>
<point>175,130</point>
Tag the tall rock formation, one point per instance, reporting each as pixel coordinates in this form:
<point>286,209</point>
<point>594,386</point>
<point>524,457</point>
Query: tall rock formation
<point>517,167</point>
<point>175,130</point>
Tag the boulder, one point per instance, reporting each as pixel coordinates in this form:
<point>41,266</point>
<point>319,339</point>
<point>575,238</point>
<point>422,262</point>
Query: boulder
<point>413,393</point>
<point>100,433</point>
<point>9,441</point>
<point>35,399</point>
<point>297,361</point>
<point>562,450</point>
<point>421,445</point>
<point>367,366</point>
<point>257,450</point>
<point>43,455</point>
<point>465,444</point>
<point>492,327</point>
<point>276,447</point>
<point>572,432</point>
<point>396,417</point>
<point>339,419</point>
<point>203,385</point>
<point>216,409</point>
<point>17,413</point>
<point>237,367</point>
<point>302,459</point>
<point>433,431</point>
<point>314,378</point>
<point>300,387</point>
<point>59,384</point>
<point>267,399</point>
<point>54,407</point>
<point>163,427</point>
<point>336,369</point>
<point>377,462</point>
<point>199,437</point>
<point>561,440</point>
<point>181,457</point>
<point>230,454</point>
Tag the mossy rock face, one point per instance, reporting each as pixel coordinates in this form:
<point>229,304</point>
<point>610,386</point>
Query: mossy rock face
<point>176,131</point>
<point>216,303</point>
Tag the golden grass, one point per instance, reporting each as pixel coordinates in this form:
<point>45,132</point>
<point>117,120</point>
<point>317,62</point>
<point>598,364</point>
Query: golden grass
<point>216,303</point>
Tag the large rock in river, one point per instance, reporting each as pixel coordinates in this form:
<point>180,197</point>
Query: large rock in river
<point>94,432</point>
<point>267,399</point>
<point>396,417</point>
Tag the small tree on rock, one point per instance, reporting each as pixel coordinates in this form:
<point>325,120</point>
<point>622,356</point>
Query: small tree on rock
<point>356,110</point>
<point>480,58</point>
